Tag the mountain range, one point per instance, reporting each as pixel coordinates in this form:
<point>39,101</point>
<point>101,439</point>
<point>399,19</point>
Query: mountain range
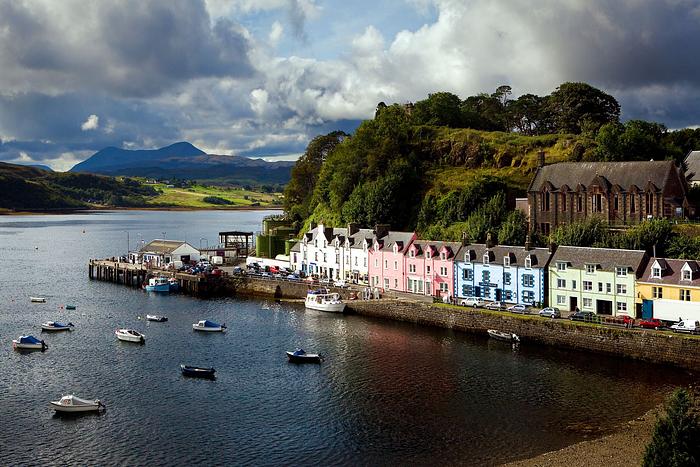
<point>184,161</point>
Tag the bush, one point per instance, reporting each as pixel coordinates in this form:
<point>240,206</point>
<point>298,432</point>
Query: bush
<point>216,200</point>
<point>676,438</point>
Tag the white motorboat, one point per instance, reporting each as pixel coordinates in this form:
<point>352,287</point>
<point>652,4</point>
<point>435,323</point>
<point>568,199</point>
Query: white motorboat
<point>503,336</point>
<point>37,299</point>
<point>29,343</point>
<point>56,326</point>
<point>157,318</point>
<point>321,300</point>
<point>130,335</point>
<point>208,326</point>
<point>74,404</point>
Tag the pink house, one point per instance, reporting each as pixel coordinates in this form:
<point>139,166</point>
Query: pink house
<point>430,268</point>
<point>386,259</point>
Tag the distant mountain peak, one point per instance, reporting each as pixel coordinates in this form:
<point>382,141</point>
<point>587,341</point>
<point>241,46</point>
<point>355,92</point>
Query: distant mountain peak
<point>111,158</point>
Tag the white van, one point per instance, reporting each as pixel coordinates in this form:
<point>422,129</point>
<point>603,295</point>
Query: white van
<point>690,327</point>
<point>476,302</point>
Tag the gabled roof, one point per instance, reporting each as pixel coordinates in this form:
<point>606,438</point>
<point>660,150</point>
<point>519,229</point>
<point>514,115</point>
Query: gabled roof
<point>163,246</point>
<point>296,247</point>
<point>424,245</point>
<point>539,257</point>
<point>671,272</point>
<point>402,239</point>
<point>607,259</point>
<point>692,162</point>
<point>624,174</point>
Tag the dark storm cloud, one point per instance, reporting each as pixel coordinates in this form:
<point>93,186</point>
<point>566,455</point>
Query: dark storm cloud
<point>129,48</point>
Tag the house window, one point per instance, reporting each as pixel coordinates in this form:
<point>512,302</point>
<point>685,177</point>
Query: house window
<point>337,258</point>
<point>304,256</point>
<point>316,256</point>
<point>528,262</point>
<point>657,292</point>
<point>587,286</point>
<point>528,296</point>
<point>545,201</point>
<point>468,291</point>
<point>561,299</point>
<point>427,254</point>
<point>412,268</point>
<point>386,282</point>
<point>597,203</point>
<point>621,289</point>
<point>656,272</point>
<point>411,254</point>
<point>573,284</point>
<point>506,278</point>
<point>600,287</point>
<point>561,266</point>
<point>364,262</point>
<point>443,256</point>
<point>528,280</point>
<point>443,271</point>
<point>632,205</point>
<point>590,268</point>
<point>396,283</point>
<point>468,275</point>
<point>616,202</point>
<point>427,269</point>
<point>443,287</point>
<point>621,272</point>
<point>561,283</point>
<point>376,263</point>
<point>608,288</point>
<point>563,202</point>
<point>687,275</point>
<point>386,264</point>
<point>588,303</point>
<point>685,295</point>
<point>325,257</point>
<point>355,260</point>
<point>396,265</point>
<point>579,203</point>
<point>622,307</point>
<point>506,261</point>
<point>486,258</point>
<point>295,257</point>
<point>649,200</point>
<point>467,258</point>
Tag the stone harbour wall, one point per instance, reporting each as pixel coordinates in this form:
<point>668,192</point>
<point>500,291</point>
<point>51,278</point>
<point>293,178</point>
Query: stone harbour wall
<point>659,347</point>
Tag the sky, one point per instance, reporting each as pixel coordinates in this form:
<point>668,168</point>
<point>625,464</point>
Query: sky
<point>260,78</point>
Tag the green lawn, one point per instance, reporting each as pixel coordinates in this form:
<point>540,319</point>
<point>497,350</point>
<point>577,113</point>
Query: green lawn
<point>193,197</point>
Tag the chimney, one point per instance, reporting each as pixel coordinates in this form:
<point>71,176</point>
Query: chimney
<point>465,239</point>
<point>540,159</point>
<point>528,243</point>
<point>381,230</point>
<point>312,225</point>
<point>489,240</point>
<point>353,228</point>
<point>552,248</point>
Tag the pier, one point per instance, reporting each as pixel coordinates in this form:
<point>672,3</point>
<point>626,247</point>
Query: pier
<point>135,275</point>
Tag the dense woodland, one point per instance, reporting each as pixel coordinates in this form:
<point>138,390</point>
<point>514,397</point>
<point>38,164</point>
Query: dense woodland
<point>446,165</point>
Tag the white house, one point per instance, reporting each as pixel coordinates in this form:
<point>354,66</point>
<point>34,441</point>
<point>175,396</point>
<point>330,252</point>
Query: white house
<point>355,254</point>
<point>161,253</point>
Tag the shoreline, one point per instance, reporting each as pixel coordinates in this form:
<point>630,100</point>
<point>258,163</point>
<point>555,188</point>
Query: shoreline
<point>39,212</point>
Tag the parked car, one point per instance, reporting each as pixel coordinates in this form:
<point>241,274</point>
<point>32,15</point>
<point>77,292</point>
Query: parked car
<point>690,327</point>
<point>340,283</point>
<point>521,309</point>
<point>293,277</point>
<point>651,323</point>
<point>495,306</point>
<point>587,316</point>
<point>265,274</point>
<point>476,302</point>
<point>550,312</point>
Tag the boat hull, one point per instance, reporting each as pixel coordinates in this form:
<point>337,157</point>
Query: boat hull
<point>127,337</point>
<point>74,408</point>
<point>19,346</point>
<point>55,329</point>
<point>197,372</point>
<point>157,319</point>
<point>37,299</point>
<point>327,307</point>
<point>308,358</point>
<point>161,288</point>
<point>501,336</point>
<point>208,328</point>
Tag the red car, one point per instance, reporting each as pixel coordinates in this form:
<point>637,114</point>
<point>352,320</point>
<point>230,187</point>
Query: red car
<point>651,323</point>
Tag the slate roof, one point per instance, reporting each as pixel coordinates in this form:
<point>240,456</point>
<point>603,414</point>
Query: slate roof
<point>162,246</point>
<point>422,245</point>
<point>692,162</point>
<point>607,259</point>
<point>671,272</point>
<point>296,247</point>
<point>357,238</point>
<point>402,238</point>
<point>517,254</point>
<point>624,174</point>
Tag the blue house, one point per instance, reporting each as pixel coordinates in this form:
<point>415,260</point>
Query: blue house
<point>501,273</point>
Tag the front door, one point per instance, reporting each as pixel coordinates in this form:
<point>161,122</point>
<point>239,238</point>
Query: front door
<point>573,303</point>
<point>647,309</point>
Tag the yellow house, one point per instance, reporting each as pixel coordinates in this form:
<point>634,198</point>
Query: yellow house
<point>669,290</point>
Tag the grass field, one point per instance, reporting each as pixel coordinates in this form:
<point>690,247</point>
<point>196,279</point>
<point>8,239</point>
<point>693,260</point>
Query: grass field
<point>193,197</point>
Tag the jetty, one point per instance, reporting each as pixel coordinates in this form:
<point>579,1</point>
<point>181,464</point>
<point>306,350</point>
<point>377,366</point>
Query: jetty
<point>135,275</point>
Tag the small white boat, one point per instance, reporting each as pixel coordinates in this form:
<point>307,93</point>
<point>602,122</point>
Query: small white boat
<point>157,318</point>
<point>300,356</point>
<point>130,335</point>
<point>56,326</point>
<point>208,326</point>
<point>321,300</point>
<point>37,299</point>
<point>29,343</point>
<point>73,403</point>
<point>503,336</point>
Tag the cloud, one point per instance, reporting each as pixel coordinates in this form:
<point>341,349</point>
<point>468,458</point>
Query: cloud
<point>276,32</point>
<point>92,123</point>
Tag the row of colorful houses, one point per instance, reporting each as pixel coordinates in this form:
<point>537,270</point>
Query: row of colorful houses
<point>604,281</point>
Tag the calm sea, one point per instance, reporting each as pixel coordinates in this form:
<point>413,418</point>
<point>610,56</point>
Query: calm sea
<point>388,393</point>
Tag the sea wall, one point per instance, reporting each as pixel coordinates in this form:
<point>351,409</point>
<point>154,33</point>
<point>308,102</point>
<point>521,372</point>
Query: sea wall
<point>278,289</point>
<point>659,347</point>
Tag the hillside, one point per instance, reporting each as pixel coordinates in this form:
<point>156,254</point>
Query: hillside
<point>186,162</point>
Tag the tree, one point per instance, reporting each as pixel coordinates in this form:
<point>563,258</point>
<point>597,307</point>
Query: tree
<point>440,109</point>
<point>513,230</point>
<point>579,105</point>
<point>530,115</point>
<point>676,438</point>
<point>589,232</point>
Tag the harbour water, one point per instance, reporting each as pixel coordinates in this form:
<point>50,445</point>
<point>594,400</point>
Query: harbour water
<point>388,393</point>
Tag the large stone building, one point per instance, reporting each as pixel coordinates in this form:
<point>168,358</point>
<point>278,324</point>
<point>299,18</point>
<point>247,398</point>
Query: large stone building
<point>621,193</point>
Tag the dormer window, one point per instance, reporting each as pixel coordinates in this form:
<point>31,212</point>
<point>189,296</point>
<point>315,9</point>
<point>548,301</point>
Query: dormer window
<point>396,248</point>
<point>561,266</point>
<point>427,254</point>
<point>621,272</point>
<point>528,262</point>
<point>506,261</point>
<point>486,258</point>
<point>412,254</point>
<point>656,272</point>
<point>590,268</point>
<point>687,275</point>
<point>443,256</point>
<point>467,258</point>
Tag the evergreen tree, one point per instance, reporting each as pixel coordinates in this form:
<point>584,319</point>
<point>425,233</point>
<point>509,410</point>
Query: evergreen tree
<point>676,438</point>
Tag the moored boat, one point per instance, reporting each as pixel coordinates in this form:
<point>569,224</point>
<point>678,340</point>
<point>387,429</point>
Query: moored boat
<point>197,372</point>
<point>56,326</point>
<point>157,284</point>
<point>503,336</point>
<point>29,343</point>
<point>70,307</point>
<point>322,300</point>
<point>208,326</point>
<point>37,299</point>
<point>173,284</point>
<point>157,318</point>
<point>74,404</point>
<point>130,335</point>
<point>300,356</point>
